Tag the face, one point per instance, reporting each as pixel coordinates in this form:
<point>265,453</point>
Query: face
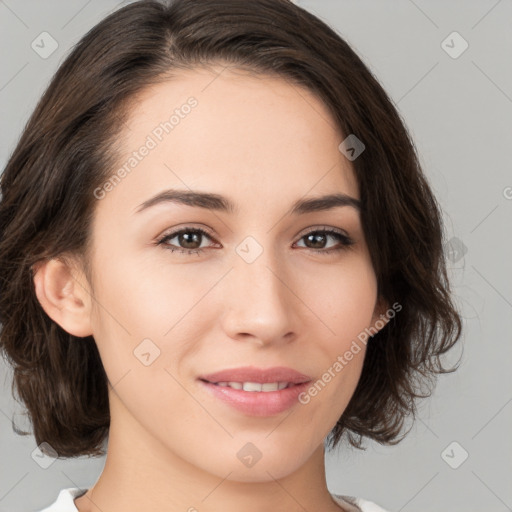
<point>183,290</point>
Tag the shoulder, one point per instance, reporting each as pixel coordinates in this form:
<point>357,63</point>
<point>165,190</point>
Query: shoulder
<point>65,500</point>
<point>352,504</point>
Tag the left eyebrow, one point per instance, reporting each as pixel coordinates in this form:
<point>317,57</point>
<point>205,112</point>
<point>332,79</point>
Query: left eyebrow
<point>322,203</point>
<point>220,203</point>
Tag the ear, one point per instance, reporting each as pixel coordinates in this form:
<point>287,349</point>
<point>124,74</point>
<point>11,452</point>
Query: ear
<point>379,317</point>
<point>64,295</point>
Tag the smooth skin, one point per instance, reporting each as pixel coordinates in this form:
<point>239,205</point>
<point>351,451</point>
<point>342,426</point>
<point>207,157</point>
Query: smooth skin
<point>264,144</point>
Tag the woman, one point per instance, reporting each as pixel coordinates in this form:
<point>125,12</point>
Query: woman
<point>218,250</point>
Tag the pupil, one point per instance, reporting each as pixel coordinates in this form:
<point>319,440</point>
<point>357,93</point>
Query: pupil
<point>190,238</point>
<point>314,237</point>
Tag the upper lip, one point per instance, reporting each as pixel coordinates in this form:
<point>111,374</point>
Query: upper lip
<point>261,375</point>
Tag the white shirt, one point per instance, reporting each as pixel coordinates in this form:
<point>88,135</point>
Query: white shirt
<point>66,497</point>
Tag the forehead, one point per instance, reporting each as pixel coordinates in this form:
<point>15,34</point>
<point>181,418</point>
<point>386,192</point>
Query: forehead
<point>259,136</point>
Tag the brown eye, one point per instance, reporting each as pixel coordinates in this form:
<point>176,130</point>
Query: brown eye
<point>317,240</point>
<point>188,240</point>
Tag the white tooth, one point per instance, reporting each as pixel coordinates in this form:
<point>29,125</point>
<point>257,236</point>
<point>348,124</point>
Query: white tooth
<point>255,386</point>
<point>270,386</point>
<point>251,386</point>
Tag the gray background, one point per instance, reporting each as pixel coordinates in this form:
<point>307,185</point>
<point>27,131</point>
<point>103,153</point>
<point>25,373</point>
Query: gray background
<point>459,111</point>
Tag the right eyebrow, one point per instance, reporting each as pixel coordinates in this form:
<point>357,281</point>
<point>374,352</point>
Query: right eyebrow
<point>192,198</point>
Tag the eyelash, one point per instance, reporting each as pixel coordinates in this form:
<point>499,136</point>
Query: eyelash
<point>344,240</point>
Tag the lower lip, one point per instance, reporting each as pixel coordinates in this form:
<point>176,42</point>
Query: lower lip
<point>257,403</point>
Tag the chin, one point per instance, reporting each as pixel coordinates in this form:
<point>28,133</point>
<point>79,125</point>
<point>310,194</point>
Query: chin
<point>250,464</point>
<point>261,473</point>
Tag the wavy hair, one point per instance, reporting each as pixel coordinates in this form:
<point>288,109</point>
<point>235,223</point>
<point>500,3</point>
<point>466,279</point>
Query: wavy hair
<point>67,149</point>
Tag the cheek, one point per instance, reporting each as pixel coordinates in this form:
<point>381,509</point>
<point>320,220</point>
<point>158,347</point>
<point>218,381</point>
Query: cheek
<point>149,299</point>
<point>141,339</point>
<point>342,296</point>
<point>143,309</point>
<point>326,399</point>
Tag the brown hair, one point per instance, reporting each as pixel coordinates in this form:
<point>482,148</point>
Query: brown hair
<point>66,151</point>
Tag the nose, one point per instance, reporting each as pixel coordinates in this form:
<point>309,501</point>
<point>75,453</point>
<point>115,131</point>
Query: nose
<point>259,304</point>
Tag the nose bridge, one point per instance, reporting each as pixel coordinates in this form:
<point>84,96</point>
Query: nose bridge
<point>259,296</point>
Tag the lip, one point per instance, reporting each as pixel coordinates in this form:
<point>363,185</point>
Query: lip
<point>254,403</point>
<point>254,374</point>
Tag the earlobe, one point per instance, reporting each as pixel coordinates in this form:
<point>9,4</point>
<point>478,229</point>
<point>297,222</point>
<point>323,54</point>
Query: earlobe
<point>64,299</point>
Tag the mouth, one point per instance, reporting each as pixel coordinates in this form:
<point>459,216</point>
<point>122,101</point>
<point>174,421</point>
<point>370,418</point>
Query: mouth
<point>256,392</point>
